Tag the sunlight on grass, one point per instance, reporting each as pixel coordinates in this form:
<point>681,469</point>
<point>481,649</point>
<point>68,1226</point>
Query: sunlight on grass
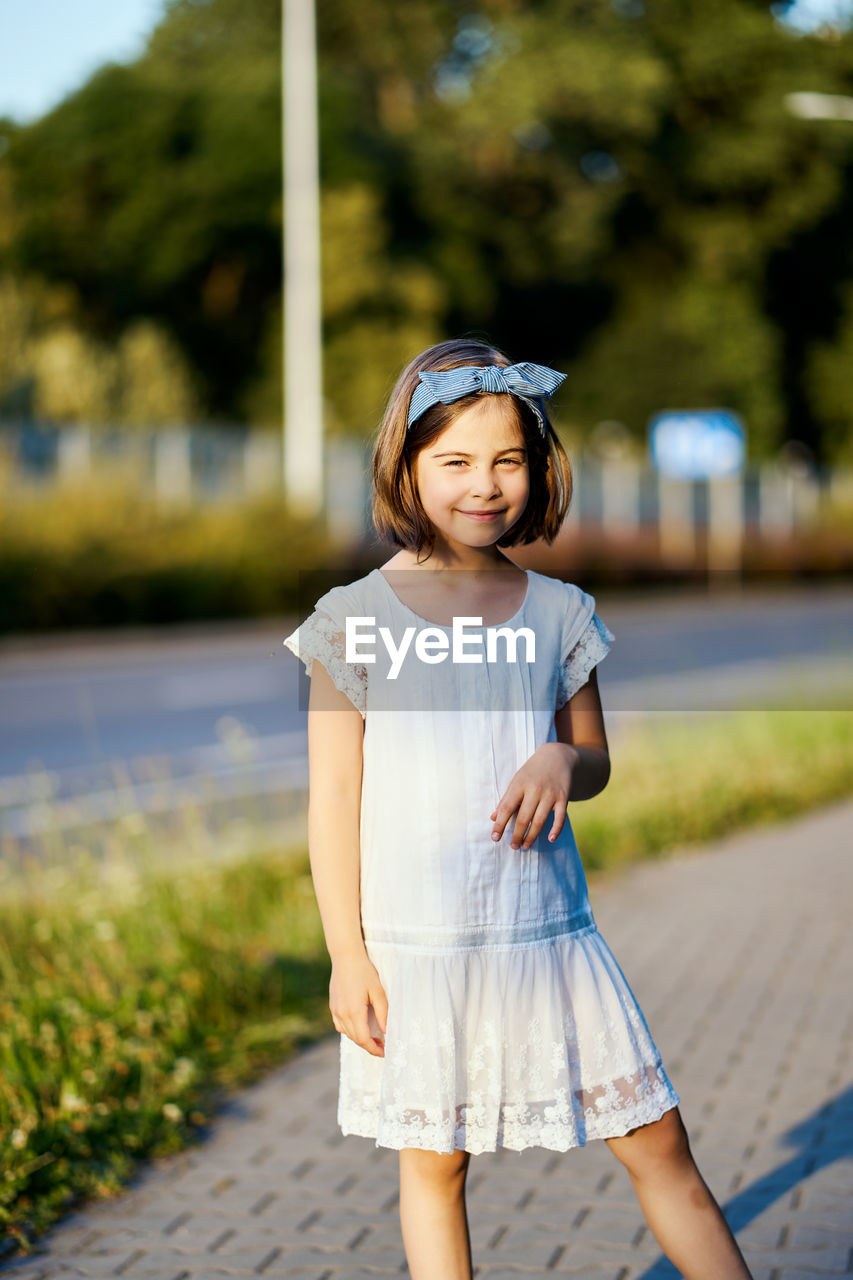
<point>680,780</point>
<point>133,995</point>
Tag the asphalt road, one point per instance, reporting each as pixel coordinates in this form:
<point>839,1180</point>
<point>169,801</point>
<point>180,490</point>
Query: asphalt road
<point>103,723</point>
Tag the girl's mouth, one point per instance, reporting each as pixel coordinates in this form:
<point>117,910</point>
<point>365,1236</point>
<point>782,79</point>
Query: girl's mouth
<point>481,515</point>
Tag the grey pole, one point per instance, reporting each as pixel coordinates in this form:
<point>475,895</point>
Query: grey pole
<point>302,354</point>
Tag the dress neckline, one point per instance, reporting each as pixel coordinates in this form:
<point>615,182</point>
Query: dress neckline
<point>447,627</point>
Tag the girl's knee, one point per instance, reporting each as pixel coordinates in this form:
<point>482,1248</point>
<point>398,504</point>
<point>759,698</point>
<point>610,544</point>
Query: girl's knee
<point>662,1143</point>
<point>438,1168</point>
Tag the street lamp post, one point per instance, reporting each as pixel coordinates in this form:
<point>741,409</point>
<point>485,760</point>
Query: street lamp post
<point>302,330</point>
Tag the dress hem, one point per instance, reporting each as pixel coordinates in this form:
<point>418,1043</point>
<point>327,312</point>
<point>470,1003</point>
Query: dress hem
<point>619,1129</point>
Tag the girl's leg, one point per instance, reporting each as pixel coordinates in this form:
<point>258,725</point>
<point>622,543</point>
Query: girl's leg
<point>433,1215</point>
<point>683,1215</point>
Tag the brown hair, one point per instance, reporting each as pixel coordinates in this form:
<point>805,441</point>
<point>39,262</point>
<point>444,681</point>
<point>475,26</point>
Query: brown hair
<point>396,508</point>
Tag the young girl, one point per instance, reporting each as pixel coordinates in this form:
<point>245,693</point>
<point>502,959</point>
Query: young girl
<point>478,1005</point>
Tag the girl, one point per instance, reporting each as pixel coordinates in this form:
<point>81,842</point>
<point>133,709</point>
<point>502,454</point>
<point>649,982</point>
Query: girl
<point>454,710</point>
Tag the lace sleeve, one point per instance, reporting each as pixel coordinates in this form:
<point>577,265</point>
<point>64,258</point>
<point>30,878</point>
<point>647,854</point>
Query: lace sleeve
<point>593,645</point>
<point>320,637</point>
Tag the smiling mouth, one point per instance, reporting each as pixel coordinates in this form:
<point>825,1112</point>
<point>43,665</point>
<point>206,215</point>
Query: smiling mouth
<point>482,513</point>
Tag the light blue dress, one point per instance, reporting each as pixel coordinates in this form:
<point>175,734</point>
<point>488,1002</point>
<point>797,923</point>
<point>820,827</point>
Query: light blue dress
<point>510,1024</point>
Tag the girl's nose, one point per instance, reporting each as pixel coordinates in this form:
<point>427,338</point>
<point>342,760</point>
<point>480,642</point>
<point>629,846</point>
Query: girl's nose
<point>484,484</point>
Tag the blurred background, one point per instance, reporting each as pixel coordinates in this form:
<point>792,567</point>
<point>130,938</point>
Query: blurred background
<point>656,200</point>
<point>654,197</point>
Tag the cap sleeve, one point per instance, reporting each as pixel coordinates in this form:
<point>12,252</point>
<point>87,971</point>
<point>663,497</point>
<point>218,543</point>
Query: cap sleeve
<point>322,636</point>
<point>586,640</point>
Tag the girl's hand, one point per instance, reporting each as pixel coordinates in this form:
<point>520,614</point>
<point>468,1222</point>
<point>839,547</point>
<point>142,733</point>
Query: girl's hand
<point>358,1003</point>
<point>541,786</point>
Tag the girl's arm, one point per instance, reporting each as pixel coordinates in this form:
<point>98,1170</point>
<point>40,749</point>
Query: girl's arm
<point>580,726</point>
<point>575,767</point>
<point>335,735</point>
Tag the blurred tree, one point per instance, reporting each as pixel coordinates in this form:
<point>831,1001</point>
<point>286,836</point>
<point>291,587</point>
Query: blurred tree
<point>153,383</point>
<point>615,188</point>
<point>73,376</point>
<point>610,182</point>
<point>51,368</point>
<point>155,188</point>
<point>828,385</point>
<point>21,309</point>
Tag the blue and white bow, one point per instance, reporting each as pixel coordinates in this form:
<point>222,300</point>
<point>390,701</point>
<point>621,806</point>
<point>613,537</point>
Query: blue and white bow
<point>529,382</point>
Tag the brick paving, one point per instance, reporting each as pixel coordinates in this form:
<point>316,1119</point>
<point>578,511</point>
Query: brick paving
<point>740,955</point>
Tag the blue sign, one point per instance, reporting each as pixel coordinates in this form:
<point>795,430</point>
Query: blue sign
<point>697,444</point>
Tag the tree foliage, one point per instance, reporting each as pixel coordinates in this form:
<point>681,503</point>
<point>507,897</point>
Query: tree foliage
<point>615,188</point>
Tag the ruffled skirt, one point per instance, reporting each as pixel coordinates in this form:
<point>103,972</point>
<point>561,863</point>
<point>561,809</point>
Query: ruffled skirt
<point>533,1044</point>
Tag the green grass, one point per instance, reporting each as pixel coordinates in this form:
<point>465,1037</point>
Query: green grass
<point>679,781</point>
<point>138,987</point>
<point>129,1002</point>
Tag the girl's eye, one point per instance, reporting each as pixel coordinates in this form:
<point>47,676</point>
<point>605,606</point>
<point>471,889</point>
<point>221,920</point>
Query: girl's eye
<point>460,462</point>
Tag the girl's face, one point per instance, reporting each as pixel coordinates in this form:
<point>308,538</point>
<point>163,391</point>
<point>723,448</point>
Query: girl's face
<point>473,480</point>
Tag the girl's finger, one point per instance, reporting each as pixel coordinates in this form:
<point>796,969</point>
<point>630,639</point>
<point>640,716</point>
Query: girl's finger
<point>379,1001</point>
<point>560,815</point>
<point>537,823</point>
<point>525,817</point>
<point>362,1037</point>
<point>503,813</point>
<point>373,1026</point>
<point>507,807</point>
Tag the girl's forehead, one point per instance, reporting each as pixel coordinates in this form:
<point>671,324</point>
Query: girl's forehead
<point>490,421</point>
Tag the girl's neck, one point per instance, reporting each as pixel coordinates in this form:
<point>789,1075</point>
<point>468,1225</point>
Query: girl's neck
<point>440,562</point>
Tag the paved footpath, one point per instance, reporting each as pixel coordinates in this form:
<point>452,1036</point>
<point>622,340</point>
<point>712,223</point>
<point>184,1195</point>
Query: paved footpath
<point>741,958</point>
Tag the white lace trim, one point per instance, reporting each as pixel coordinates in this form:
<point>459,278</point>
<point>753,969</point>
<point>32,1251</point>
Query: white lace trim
<point>320,637</point>
<point>561,1124</point>
<point>593,645</point>
<point>569,1116</point>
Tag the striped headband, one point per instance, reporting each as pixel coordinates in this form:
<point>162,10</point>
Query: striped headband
<point>529,382</point>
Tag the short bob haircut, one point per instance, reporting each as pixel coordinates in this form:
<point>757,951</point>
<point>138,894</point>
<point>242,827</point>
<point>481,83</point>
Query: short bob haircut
<point>396,507</point>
